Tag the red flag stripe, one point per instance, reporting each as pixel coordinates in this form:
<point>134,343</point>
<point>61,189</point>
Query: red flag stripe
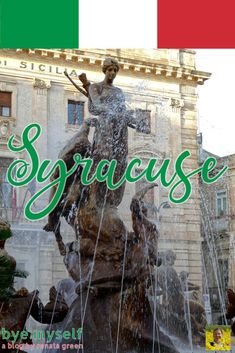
<point>196,24</point>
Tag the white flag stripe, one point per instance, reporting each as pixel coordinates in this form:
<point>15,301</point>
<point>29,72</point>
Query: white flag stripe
<point>117,24</point>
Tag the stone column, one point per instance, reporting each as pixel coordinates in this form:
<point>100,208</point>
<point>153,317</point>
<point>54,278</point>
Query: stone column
<point>191,209</point>
<point>40,115</point>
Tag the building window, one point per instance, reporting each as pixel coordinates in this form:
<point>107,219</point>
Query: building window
<point>75,112</point>
<point>143,120</point>
<point>5,104</point>
<point>221,200</point>
<point>6,196</point>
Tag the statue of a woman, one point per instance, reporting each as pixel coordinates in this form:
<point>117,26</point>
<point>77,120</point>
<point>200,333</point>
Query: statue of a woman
<point>111,137</point>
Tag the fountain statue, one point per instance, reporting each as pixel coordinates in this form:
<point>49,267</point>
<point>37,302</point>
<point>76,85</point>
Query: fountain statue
<point>112,270</point>
<point>113,309</point>
<point>177,310</point>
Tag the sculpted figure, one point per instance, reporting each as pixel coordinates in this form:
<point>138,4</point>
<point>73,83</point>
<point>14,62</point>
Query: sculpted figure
<point>66,287</point>
<point>145,238</point>
<point>186,285</point>
<point>174,299</point>
<point>169,282</point>
<point>99,214</point>
<point>110,140</point>
<point>8,268</point>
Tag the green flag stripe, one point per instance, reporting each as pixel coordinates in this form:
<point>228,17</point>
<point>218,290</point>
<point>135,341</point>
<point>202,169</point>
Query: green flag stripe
<point>39,24</point>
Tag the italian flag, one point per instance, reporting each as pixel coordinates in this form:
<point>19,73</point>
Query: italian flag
<point>117,24</point>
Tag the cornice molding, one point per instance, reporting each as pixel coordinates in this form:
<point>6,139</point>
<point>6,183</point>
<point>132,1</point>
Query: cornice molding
<point>165,70</point>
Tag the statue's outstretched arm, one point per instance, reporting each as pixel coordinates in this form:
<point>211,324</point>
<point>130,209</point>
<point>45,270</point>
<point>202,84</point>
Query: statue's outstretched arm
<point>75,85</point>
<point>140,194</point>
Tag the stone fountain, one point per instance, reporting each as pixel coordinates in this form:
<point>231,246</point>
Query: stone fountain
<point>112,270</point>
<point>109,294</point>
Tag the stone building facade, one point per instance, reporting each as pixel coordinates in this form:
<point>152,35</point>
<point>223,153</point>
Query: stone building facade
<point>33,88</point>
<point>218,233</point>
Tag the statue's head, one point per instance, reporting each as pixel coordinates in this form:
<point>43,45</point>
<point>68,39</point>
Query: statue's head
<point>110,68</point>
<point>170,257</point>
<point>183,275</point>
<point>110,62</point>
<point>71,260</point>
